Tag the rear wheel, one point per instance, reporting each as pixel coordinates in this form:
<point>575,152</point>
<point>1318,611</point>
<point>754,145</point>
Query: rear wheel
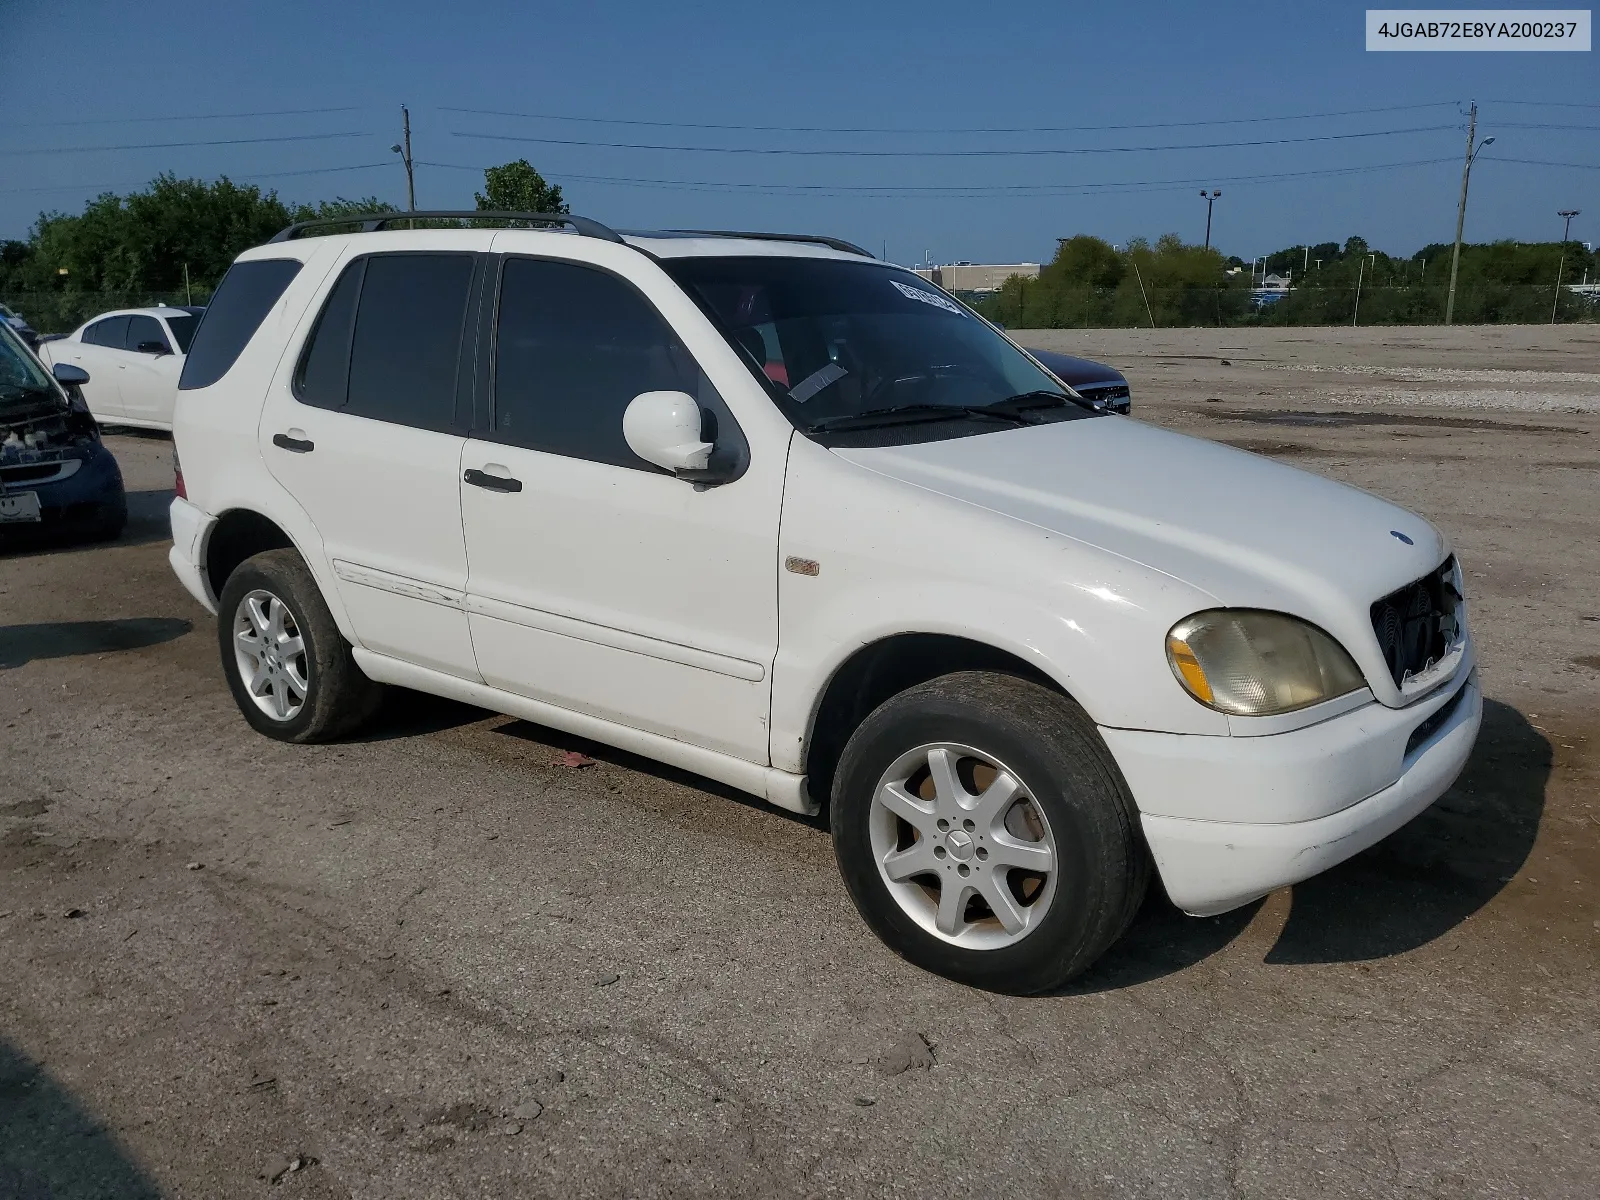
<point>290,670</point>
<point>985,833</point>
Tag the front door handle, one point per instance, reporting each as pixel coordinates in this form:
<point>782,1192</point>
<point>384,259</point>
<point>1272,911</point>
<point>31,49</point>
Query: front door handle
<point>299,445</point>
<point>495,483</point>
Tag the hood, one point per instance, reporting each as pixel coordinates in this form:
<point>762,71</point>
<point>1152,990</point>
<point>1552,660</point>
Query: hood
<point>1249,531</point>
<point>1074,371</point>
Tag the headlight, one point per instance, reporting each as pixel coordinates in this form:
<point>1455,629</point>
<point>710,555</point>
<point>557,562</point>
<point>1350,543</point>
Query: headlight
<point>1257,664</point>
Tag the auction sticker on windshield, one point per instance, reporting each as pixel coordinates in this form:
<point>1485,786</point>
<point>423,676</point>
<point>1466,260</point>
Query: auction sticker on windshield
<point>1478,29</point>
<point>933,298</point>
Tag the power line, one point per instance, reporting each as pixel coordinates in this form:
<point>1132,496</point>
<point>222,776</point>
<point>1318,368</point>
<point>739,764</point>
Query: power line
<point>281,112</point>
<point>1544,125</point>
<point>295,137</point>
<point>1539,162</point>
<point>1545,103</point>
<point>960,190</point>
<point>488,112</point>
<point>990,153</point>
<point>102,187</point>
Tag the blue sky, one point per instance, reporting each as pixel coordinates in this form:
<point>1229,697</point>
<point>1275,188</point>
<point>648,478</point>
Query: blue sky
<point>73,73</point>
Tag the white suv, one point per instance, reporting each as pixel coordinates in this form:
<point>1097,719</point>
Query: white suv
<point>766,509</point>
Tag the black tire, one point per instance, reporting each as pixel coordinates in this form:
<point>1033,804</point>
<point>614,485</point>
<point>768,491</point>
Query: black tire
<point>1051,745</point>
<point>110,523</point>
<point>339,698</point>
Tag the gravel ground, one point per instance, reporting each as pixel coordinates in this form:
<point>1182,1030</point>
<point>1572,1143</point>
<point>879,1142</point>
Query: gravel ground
<point>439,962</point>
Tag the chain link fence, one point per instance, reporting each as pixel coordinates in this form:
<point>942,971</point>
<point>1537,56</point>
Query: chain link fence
<point>1031,306</point>
<point>62,312</point>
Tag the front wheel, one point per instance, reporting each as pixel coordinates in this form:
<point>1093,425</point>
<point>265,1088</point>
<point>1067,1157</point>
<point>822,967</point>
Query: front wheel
<point>290,670</point>
<point>985,833</point>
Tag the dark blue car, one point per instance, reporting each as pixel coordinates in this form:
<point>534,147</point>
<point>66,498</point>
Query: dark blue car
<point>1103,386</point>
<point>56,477</point>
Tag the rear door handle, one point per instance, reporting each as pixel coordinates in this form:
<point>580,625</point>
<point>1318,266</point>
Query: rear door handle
<point>495,483</point>
<point>299,445</point>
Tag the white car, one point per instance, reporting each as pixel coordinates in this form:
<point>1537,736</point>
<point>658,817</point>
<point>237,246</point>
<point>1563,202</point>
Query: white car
<point>766,509</point>
<point>134,357</point>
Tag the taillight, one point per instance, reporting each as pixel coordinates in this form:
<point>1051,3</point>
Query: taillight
<point>177,477</point>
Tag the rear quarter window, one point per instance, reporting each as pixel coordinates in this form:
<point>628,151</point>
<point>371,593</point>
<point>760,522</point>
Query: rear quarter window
<point>243,298</point>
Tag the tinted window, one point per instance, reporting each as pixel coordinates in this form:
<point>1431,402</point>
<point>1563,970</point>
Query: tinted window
<point>573,347</point>
<point>323,377</point>
<point>407,342</point>
<point>182,326</point>
<point>243,298</point>
<point>113,332</point>
<point>144,329</point>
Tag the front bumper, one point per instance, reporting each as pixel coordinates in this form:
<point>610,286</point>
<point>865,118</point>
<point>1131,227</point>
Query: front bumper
<point>1317,782</point>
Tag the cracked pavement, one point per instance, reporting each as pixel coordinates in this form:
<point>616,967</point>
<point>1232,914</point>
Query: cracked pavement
<point>438,962</point>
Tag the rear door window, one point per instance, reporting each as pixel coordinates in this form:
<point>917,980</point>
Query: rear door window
<point>242,301</point>
<point>112,332</point>
<point>399,358</point>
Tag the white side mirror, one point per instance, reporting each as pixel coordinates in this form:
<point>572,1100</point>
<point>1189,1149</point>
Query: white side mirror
<point>664,428</point>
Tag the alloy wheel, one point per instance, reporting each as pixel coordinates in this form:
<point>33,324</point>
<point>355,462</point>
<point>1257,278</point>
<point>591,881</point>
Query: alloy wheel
<point>962,846</point>
<point>270,655</point>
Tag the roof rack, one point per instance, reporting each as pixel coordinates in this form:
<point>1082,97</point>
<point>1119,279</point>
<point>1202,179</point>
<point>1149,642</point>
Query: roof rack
<point>372,222</point>
<point>835,243</point>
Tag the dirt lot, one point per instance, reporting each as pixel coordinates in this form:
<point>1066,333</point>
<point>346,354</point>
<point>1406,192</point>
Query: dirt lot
<point>437,963</point>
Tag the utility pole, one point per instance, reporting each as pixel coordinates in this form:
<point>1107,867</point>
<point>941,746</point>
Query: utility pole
<point>1305,267</point>
<point>404,151</point>
<point>1210,198</point>
<point>1461,208</point>
<point>1566,234</point>
<point>1556,303</point>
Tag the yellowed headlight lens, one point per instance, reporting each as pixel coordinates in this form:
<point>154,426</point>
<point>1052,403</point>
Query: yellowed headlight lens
<point>1254,663</point>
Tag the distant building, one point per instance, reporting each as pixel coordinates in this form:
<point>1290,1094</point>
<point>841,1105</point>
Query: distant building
<point>1274,283</point>
<point>980,278</point>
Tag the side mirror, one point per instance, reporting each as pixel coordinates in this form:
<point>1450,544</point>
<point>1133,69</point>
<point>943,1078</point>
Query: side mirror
<point>68,375</point>
<point>664,428</point>
<point>157,348</point>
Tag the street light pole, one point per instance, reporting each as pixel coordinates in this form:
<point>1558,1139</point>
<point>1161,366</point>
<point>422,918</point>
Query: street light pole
<point>1210,198</point>
<point>1568,213</point>
<point>1461,209</point>
<point>404,151</point>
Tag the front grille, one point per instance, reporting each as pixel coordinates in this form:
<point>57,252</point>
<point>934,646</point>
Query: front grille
<point>1417,624</point>
<point>32,471</point>
<point>1434,723</point>
<point>1104,393</point>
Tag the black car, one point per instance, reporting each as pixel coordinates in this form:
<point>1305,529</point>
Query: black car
<point>56,476</point>
<point>1104,386</point>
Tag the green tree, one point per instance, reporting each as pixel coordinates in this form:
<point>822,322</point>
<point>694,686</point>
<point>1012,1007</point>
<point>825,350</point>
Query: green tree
<point>517,187</point>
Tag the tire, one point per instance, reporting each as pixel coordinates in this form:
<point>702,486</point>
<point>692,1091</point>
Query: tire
<point>1071,809</point>
<point>311,688</point>
<point>110,523</point>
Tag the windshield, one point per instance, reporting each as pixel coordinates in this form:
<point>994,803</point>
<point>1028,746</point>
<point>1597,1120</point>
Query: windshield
<point>21,376</point>
<point>183,326</point>
<point>838,339</point>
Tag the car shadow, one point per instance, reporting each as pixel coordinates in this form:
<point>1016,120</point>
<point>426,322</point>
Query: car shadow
<point>405,713</point>
<point>560,742</point>
<point>20,644</point>
<point>51,1146</point>
<point>1429,876</point>
<point>1416,885</point>
<point>147,522</point>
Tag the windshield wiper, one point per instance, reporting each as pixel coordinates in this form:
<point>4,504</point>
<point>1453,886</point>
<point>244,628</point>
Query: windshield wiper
<point>906,414</point>
<point>1046,398</point>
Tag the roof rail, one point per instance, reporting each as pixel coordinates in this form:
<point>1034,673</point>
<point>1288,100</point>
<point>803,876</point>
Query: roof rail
<point>835,243</point>
<point>371,222</point>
